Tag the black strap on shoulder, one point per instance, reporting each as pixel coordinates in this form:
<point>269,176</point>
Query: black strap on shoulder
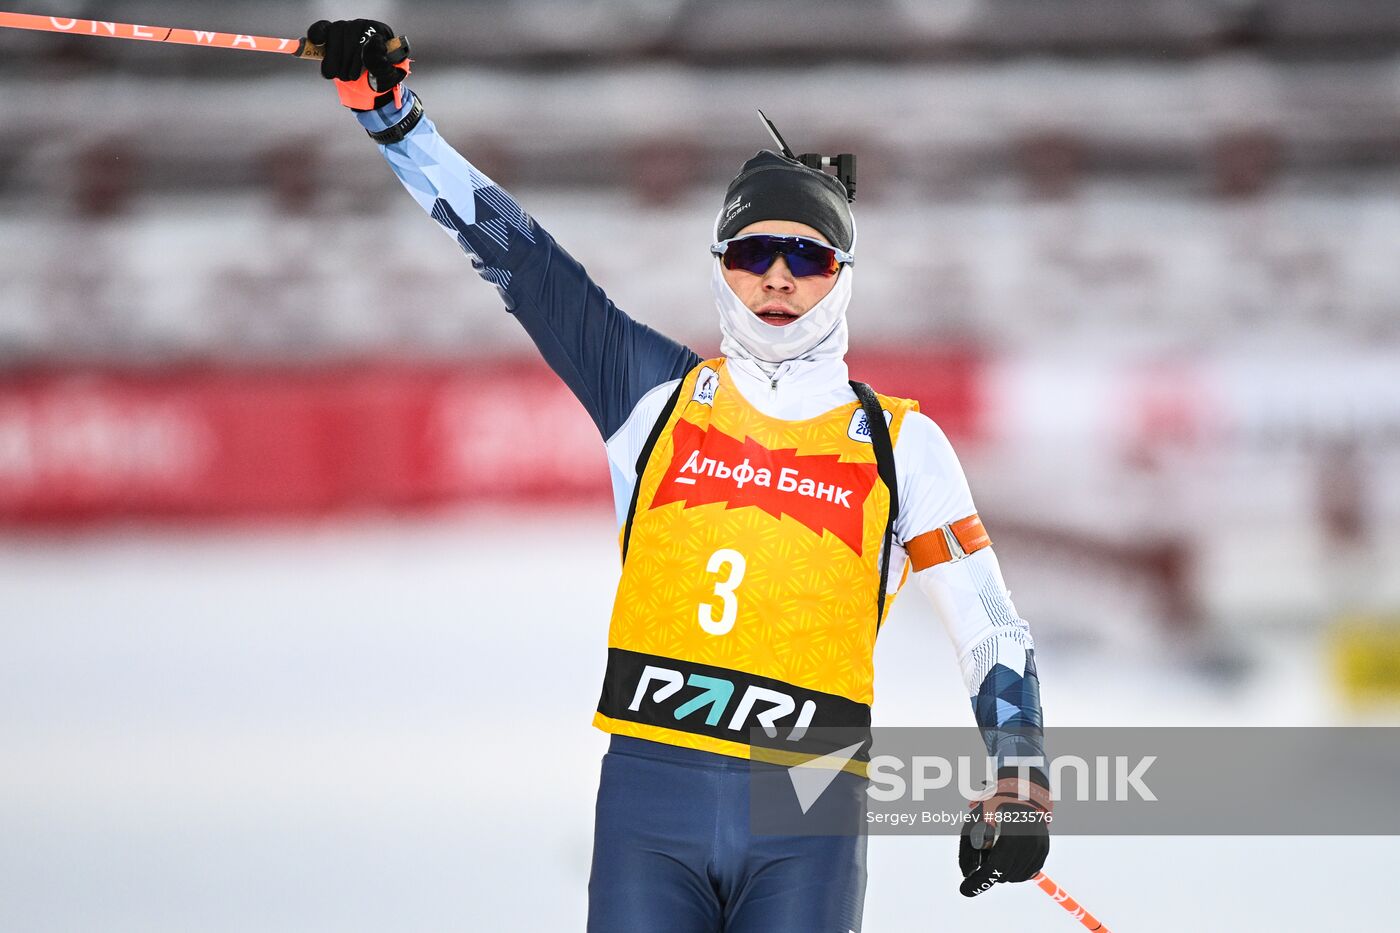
<point>645,455</point>
<point>884,463</point>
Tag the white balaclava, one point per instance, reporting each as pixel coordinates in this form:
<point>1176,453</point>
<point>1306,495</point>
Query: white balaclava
<point>819,334</point>
<point>772,187</point>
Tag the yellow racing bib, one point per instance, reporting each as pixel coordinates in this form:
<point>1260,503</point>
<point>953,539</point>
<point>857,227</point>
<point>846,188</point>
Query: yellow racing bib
<point>748,596</point>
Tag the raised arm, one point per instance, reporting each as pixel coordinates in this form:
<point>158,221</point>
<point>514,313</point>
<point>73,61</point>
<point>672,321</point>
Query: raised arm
<point>607,359</point>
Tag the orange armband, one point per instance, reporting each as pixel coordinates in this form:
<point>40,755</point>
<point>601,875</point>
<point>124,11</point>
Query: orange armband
<point>952,541</point>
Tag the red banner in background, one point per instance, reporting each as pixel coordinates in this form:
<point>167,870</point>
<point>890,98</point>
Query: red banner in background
<point>208,442</point>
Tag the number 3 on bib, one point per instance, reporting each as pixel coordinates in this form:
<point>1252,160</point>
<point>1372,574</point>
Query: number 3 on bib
<point>724,589</point>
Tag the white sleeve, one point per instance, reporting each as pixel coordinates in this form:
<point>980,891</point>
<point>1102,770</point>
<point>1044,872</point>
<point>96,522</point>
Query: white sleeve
<point>627,442</point>
<point>932,488</point>
<point>968,595</point>
<point>971,600</point>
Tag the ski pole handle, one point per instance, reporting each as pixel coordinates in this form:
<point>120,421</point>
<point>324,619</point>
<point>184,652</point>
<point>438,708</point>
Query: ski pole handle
<point>1062,898</point>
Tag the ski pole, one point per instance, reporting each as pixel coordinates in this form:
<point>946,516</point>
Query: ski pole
<point>301,48</point>
<point>1068,903</point>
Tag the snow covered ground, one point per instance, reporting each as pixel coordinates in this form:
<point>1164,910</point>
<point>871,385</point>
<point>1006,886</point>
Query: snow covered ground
<point>384,725</point>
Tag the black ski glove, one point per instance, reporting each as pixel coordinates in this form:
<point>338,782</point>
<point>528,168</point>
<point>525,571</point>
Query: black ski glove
<point>1007,838</point>
<point>358,59</point>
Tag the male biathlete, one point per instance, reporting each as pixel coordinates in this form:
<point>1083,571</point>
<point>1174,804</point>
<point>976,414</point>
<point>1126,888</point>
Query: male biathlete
<point>755,520</point>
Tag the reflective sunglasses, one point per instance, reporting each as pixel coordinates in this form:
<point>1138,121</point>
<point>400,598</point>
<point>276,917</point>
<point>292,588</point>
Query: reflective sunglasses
<point>804,256</point>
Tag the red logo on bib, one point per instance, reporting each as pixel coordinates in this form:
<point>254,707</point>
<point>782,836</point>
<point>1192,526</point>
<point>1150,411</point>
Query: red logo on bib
<point>818,490</point>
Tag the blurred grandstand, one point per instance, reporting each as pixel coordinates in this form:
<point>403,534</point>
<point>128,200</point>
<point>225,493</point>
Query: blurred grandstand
<point>1139,258</point>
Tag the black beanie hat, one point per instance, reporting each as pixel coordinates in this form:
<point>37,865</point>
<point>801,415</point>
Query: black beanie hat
<point>773,187</point>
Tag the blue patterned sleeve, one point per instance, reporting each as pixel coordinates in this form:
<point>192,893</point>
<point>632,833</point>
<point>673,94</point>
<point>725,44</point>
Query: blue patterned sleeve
<point>1007,709</point>
<point>995,651</point>
<point>607,359</point>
